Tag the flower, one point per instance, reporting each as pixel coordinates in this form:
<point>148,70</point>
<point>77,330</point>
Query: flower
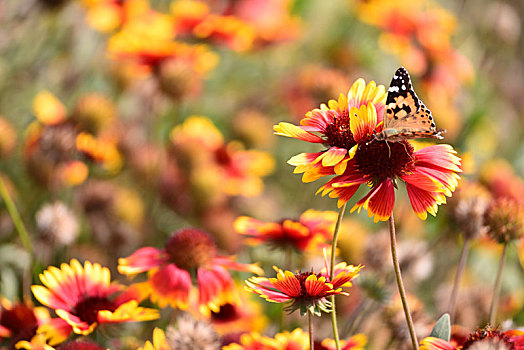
<point>49,148</point>
<point>192,334</point>
<point>58,223</point>
<point>504,219</point>
<point>470,205</point>
<point>83,296</point>
<point>19,321</point>
<point>152,35</point>
<point>38,342</point>
<point>502,180</point>
<point>306,291</point>
<point>94,113</point>
<point>297,339</point>
<point>215,165</point>
<point>356,342</point>
<point>271,19</point>
<point>100,150</point>
<point>8,138</point>
<point>313,227</point>
<point>486,338</point>
<point>188,253</point>
<point>348,127</point>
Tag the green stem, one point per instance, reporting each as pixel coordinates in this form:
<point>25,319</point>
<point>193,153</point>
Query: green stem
<point>458,276</point>
<point>15,216</point>
<point>496,287</point>
<point>400,284</point>
<point>310,324</point>
<point>332,275</point>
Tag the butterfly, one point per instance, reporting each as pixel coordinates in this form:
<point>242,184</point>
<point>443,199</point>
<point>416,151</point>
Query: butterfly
<point>406,115</point>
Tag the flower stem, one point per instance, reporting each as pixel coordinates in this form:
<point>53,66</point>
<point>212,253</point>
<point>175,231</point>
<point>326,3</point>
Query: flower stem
<point>496,287</point>
<point>458,276</point>
<point>15,216</point>
<point>400,284</point>
<point>310,324</point>
<point>332,274</point>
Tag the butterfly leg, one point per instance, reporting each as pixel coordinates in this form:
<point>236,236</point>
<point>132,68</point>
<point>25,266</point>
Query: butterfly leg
<point>389,149</point>
<point>409,155</point>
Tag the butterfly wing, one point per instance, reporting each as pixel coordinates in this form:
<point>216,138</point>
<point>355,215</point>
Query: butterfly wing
<point>401,101</point>
<point>406,115</point>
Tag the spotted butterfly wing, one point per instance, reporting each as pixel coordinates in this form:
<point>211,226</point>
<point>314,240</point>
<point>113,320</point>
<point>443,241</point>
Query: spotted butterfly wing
<point>406,115</point>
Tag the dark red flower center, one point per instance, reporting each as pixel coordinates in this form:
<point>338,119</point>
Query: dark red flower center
<point>191,248</point>
<point>21,321</point>
<point>339,134</point>
<point>18,318</point>
<point>87,309</point>
<point>381,159</point>
<point>222,156</point>
<point>227,313</point>
<point>488,338</point>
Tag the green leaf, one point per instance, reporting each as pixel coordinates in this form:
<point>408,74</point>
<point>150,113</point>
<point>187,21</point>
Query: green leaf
<point>442,328</point>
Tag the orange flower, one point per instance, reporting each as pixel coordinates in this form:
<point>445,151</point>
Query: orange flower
<point>305,291</point>
<point>356,342</point>
<point>311,229</point>
<point>297,339</point>
<point>218,166</point>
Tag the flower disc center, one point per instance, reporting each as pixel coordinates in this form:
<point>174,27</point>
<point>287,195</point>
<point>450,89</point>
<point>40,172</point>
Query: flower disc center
<point>382,159</point>
<point>339,133</point>
<point>191,248</point>
<point>87,309</point>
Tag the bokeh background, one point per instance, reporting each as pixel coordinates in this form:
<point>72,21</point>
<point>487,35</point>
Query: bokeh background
<point>123,121</point>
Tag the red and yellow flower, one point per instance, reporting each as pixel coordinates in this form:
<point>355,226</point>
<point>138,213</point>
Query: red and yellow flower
<point>348,127</point>
<point>297,339</point>
<point>215,165</point>
<point>311,229</point>
<point>356,342</point>
<point>487,337</point>
<point>188,253</point>
<point>84,296</point>
<point>306,291</point>
<point>244,315</point>
<point>19,321</point>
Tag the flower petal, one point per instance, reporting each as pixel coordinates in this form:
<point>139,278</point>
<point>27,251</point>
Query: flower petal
<point>333,156</point>
<point>424,201</point>
<point>379,201</point>
<point>170,286</point>
<point>290,130</point>
<point>363,122</point>
<point>432,343</point>
<point>144,259</point>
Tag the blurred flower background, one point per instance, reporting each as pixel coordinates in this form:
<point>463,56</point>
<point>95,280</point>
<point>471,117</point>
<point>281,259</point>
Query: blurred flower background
<point>125,123</point>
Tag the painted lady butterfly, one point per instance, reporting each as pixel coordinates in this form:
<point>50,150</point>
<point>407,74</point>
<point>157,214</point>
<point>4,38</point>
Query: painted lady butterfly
<point>406,116</point>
